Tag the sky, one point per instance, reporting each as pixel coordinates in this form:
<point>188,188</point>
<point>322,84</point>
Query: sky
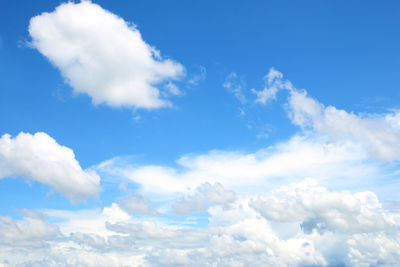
<point>201,133</point>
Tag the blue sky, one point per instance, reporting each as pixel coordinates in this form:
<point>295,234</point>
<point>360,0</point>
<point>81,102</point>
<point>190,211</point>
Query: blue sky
<point>119,117</point>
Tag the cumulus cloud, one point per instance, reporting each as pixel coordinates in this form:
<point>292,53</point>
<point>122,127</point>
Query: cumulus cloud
<point>358,232</point>
<point>31,231</point>
<point>103,56</point>
<point>88,221</point>
<point>318,209</point>
<point>39,157</point>
<point>136,204</point>
<point>204,195</point>
<point>92,240</point>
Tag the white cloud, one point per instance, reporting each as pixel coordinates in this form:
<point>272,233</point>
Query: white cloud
<point>103,56</point>
<point>200,199</point>
<point>39,157</point>
<point>318,209</point>
<point>382,249</point>
<point>31,231</point>
<point>136,204</point>
<point>273,83</point>
<point>143,229</point>
<point>172,89</point>
<point>378,134</point>
<point>338,164</point>
<point>88,221</point>
<point>198,77</point>
<point>92,240</point>
<point>236,234</point>
<point>236,85</point>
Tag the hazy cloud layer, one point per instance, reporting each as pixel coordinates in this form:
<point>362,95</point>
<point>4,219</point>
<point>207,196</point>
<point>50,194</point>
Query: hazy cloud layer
<point>103,56</point>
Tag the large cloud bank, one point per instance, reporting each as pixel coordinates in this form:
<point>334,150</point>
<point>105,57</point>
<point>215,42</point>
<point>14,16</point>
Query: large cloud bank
<point>101,55</point>
<point>286,226</point>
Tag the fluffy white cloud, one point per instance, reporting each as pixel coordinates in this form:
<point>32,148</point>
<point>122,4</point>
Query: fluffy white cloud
<point>31,231</point>
<point>201,198</point>
<point>39,157</point>
<point>103,56</point>
<point>136,204</point>
<point>317,208</point>
<point>358,233</point>
<point>88,221</point>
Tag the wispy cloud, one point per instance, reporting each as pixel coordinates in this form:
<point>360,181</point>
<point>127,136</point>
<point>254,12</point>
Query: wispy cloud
<point>236,85</point>
<point>198,76</point>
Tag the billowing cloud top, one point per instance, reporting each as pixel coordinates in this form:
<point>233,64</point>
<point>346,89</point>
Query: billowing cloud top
<point>40,158</point>
<point>102,56</point>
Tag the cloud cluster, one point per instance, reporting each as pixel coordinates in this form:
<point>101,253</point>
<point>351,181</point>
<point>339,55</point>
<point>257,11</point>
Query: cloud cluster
<point>297,224</point>
<point>101,55</point>
<point>318,209</point>
<point>31,231</point>
<point>253,230</point>
<point>221,208</point>
<point>39,157</point>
